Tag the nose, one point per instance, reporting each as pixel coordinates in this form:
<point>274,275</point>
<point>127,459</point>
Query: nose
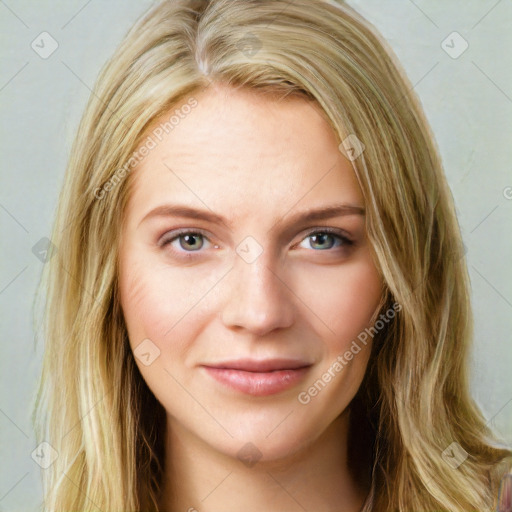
<point>258,300</point>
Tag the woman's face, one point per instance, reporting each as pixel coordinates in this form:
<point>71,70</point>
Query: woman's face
<point>241,310</point>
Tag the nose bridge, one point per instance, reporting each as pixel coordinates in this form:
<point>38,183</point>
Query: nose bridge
<point>257,298</point>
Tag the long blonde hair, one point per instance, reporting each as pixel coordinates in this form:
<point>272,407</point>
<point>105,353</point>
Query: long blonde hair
<point>93,405</point>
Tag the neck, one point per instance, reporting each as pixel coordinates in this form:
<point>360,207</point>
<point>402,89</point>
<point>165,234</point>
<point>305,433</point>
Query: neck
<point>201,479</point>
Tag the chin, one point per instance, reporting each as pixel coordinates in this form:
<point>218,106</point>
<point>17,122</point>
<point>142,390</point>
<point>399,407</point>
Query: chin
<point>267,441</point>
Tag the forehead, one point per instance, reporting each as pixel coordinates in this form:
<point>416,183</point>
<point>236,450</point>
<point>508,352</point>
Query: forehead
<point>238,151</point>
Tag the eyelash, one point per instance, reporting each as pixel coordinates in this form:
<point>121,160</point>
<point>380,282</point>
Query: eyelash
<point>166,239</point>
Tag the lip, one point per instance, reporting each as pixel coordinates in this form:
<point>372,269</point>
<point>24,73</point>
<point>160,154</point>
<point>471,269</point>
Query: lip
<point>259,377</point>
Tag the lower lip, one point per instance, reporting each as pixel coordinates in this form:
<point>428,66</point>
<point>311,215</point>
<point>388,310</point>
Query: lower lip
<point>258,383</point>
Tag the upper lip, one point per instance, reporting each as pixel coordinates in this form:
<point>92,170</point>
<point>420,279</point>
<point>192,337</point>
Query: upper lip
<point>261,365</point>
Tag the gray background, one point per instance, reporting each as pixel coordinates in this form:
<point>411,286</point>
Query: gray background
<point>468,101</point>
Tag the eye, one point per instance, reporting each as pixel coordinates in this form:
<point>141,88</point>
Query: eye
<point>184,241</point>
<point>189,241</point>
<point>326,239</point>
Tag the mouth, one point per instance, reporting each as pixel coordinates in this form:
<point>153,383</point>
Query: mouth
<point>259,377</point>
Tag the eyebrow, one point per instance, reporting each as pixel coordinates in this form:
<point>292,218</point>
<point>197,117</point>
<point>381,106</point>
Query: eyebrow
<point>315,214</point>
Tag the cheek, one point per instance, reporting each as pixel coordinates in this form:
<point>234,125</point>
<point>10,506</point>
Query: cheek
<point>347,303</point>
<point>161,303</point>
<point>344,298</point>
<point>147,314</point>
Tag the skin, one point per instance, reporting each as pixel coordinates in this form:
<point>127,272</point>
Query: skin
<point>257,161</point>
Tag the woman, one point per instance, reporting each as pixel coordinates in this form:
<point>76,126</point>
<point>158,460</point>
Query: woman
<point>259,283</point>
